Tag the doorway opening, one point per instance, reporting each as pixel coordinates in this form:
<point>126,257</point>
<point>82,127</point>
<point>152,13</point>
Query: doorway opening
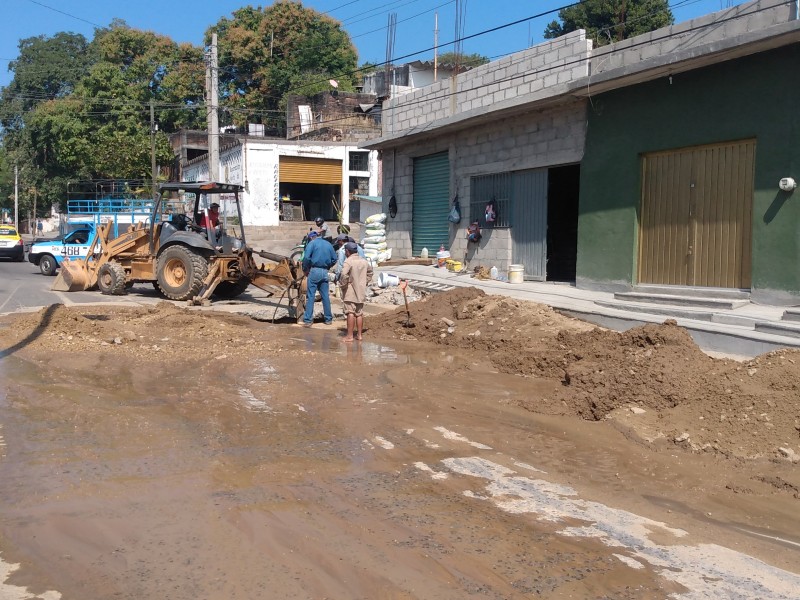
<point>563,187</point>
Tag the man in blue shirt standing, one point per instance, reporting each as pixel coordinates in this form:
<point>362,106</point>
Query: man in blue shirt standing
<point>318,258</point>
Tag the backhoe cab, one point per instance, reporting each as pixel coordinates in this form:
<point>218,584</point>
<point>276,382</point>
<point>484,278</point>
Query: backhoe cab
<point>182,259</point>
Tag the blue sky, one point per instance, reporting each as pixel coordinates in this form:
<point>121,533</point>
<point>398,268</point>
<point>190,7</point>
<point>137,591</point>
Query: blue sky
<point>365,20</point>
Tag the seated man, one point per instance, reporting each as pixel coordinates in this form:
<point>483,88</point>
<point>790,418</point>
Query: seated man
<point>213,217</point>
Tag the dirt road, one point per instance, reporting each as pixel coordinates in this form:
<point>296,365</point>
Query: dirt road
<point>507,452</point>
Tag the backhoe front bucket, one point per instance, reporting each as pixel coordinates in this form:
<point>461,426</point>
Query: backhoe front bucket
<point>73,276</point>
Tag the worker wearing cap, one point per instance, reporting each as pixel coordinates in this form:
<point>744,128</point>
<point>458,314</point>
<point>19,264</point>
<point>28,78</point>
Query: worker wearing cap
<point>318,258</point>
<point>213,217</point>
<point>338,245</point>
<point>356,273</point>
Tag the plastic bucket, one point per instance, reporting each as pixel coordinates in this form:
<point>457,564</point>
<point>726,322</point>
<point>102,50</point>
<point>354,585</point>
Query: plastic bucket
<point>387,280</point>
<point>515,273</point>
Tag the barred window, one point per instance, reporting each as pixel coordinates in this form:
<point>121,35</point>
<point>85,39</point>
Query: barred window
<point>359,161</point>
<point>491,189</point>
<point>359,185</point>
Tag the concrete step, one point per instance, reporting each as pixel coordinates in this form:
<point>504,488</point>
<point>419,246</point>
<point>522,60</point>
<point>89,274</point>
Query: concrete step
<point>686,301</point>
<point>791,314</point>
<point>778,328</point>
<point>429,286</point>
<point>654,309</point>
<point>694,292</point>
<point>293,230</point>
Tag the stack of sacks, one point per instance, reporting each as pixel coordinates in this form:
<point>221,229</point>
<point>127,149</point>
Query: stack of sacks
<point>374,240</point>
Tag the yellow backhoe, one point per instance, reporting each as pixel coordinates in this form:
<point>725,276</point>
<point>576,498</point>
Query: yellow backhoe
<point>184,254</point>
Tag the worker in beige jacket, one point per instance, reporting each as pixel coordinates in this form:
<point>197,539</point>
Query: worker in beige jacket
<point>353,279</point>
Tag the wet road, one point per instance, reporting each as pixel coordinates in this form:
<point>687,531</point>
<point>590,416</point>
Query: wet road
<point>328,470</point>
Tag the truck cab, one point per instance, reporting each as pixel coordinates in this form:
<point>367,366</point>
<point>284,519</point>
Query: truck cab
<point>49,254</point>
<point>79,226</point>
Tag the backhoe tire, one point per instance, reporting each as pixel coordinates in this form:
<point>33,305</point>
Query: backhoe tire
<point>47,265</point>
<point>181,272</point>
<point>111,279</point>
<point>231,289</point>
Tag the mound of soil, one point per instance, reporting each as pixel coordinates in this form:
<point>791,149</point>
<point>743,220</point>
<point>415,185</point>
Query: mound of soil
<point>653,381</point>
<point>141,332</point>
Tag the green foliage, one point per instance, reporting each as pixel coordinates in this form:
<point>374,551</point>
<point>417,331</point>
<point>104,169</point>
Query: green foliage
<point>97,125</point>
<point>465,60</point>
<point>608,21</point>
<point>267,53</point>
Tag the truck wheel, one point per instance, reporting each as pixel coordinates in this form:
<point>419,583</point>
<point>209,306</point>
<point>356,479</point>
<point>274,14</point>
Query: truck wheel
<point>181,272</point>
<point>231,289</point>
<point>47,265</point>
<point>111,279</point>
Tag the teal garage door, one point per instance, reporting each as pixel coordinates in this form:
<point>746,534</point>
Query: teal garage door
<point>430,227</point>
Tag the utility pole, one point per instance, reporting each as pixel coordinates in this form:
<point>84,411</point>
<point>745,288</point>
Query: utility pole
<point>212,95</point>
<point>435,45</point>
<point>153,167</point>
<point>16,197</point>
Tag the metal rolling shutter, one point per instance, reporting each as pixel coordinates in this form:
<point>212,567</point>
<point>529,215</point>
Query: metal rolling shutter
<point>300,169</point>
<point>430,227</point>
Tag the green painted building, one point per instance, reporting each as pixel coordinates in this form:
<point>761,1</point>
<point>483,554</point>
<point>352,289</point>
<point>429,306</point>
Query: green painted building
<point>680,180</point>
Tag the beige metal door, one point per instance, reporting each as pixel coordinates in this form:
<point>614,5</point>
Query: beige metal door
<point>695,222</point>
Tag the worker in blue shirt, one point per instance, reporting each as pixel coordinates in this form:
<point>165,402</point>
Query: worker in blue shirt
<point>319,257</point>
<point>338,246</point>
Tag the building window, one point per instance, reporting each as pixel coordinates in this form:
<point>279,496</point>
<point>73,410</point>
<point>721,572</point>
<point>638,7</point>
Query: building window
<point>359,161</point>
<point>494,191</point>
<point>359,185</point>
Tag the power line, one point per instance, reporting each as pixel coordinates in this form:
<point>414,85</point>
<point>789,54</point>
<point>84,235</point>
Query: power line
<point>65,13</point>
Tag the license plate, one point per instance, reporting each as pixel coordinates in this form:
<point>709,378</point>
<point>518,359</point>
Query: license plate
<point>5,244</point>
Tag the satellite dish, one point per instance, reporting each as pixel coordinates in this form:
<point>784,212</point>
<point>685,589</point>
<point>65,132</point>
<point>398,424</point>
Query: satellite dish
<point>334,83</point>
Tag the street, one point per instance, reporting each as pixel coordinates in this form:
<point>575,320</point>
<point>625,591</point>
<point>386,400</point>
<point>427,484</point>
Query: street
<point>169,453</point>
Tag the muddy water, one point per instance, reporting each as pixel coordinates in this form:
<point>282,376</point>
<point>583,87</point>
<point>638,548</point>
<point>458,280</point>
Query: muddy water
<point>340,471</point>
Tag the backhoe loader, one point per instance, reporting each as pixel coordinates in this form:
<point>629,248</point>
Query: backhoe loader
<point>184,254</point>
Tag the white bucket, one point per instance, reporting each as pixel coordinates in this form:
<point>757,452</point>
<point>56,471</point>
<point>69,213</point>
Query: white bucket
<point>387,280</point>
<point>515,273</point>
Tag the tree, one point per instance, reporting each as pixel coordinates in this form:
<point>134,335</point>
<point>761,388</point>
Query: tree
<point>608,21</point>
<point>268,53</point>
<point>97,126</point>
<point>465,60</point>
<point>46,68</point>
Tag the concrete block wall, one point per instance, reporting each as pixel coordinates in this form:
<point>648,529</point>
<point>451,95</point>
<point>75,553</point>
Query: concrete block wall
<point>537,139</point>
<point>536,71</point>
<point>703,31</point>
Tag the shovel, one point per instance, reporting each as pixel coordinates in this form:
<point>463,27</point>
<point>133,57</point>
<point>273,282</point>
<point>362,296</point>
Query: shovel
<point>403,286</point>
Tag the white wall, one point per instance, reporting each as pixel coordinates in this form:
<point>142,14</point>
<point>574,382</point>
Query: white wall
<point>255,165</point>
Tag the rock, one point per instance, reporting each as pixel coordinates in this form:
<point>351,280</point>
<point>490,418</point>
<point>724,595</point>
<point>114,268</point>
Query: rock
<point>117,340</point>
<point>684,437</point>
<point>448,322</point>
<point>789,454</point>
<point>637,411</point>
<point>752,372</point>
<point>451,330</point>
<point>442,335</point>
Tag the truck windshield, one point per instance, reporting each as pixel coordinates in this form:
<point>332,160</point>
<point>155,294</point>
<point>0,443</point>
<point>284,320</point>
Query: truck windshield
<point>80,236</point>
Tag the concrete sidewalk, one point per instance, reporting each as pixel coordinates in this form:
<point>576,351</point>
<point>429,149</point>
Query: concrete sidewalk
<point>717,324</point>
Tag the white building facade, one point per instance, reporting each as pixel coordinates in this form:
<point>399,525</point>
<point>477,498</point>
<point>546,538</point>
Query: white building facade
<point>316,178</point>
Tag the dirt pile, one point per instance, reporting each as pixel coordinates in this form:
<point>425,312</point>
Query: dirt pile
<point>653,380</point>
<point>164,329</point>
